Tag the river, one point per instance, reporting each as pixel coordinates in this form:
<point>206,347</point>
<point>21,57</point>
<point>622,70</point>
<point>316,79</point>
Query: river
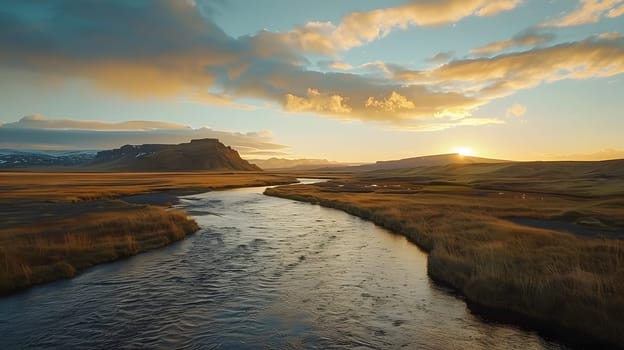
<point>262,272</point>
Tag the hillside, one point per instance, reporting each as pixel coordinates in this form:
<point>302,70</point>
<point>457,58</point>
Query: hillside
<point>417,162</point>
<point>573,178</point>
<point>203,154</point>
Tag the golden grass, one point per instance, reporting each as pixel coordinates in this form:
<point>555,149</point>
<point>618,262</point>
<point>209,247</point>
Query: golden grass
<point>555,277</point>
<point>90,186</point>
<point>54,224</point>
<point>37,253</point>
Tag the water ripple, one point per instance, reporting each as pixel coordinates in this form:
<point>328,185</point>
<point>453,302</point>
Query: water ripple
<point>262,273</point>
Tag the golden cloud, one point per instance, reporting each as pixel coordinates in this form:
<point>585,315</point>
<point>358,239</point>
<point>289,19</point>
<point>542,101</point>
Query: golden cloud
<point>489,78</point>
<point>358,28</point>
<point>317,102</point>
<point>192,58</point>
<point>516,110</point>
<point>616,12</point>
<point>494,7</point>
<point>525,39</point>
<point>340,65</point>
<point>395,103</point>
<point>220,100</point>
<point>588,11</point>
<point>611,36</point>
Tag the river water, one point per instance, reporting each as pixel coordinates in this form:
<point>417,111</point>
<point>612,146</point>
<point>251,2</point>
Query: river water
<point>262,272</point>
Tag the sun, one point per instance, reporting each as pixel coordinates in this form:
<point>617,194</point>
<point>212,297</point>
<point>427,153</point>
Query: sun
<point>463,151</point>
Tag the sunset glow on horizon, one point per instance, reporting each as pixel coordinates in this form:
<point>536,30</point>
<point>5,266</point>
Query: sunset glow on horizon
<point>463,151</point>
<point>350,81</point>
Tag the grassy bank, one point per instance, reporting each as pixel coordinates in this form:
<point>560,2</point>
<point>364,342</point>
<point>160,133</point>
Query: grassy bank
<point>83,186</point>
<point>557,278</point>
<point>38,253</point>
<point>52,225</point>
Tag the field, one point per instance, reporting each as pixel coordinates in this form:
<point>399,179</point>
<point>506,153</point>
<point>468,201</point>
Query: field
<point>55,224</point>
<point>539,239</point>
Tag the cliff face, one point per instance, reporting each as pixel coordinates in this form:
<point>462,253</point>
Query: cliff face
<point>203,154</point>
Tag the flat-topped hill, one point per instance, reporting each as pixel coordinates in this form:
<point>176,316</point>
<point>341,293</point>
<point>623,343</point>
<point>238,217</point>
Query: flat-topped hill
<point>203,154</point>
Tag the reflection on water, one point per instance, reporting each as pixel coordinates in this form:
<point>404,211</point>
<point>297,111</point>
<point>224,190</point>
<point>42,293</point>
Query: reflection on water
<point>262,273</point>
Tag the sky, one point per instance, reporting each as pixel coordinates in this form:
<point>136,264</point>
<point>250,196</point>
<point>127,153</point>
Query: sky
<point>349,80</point>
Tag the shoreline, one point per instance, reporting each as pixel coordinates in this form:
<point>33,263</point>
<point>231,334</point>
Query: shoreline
<point>449,272</point>
<point>63,248</point>
<point>77,221</point>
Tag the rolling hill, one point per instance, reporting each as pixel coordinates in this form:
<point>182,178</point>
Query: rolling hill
<point>417,162</point>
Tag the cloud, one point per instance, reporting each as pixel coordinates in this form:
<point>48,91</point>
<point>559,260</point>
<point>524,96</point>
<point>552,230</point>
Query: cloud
<point>394,103</point>
<point>376,67</point>
<point>516,110</point>
<point>219,100</point>
<point>616,12</point>
<point>610,36</point>
<point>335,65</point>
<point>588,11</point>
<point>447,123</point>
<point>155,48</point>
<point>441,57</point>
<point>524,39</point>
<point>492,8</point>
<point>317,102</point>
<point>38,132</point>
<point>184,55</point>
<point>359,28</point>
<point>37,121</point>
<point>495,77</point>
<point>345,95</point>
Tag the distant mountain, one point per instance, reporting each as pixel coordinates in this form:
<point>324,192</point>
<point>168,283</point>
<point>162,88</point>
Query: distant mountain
<point>203,154</point>
<point>424,161</point>
<point>295,164</point>
<point>15,159</point>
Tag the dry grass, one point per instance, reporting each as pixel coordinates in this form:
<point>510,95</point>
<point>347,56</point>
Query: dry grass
<point>554,277</point>
<point>54,224</point>
<point>89,186</point>
<point>37,253</point>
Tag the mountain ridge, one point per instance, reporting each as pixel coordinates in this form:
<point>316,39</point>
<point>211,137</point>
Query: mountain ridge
<point>420,161</point>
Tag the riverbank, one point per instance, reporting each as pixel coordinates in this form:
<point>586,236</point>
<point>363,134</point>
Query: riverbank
<point>52,225</point>
<point>556,278</point>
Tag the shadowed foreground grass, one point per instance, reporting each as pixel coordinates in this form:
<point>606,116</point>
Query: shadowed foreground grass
<point>33,254</point>
<point>556,278</point>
